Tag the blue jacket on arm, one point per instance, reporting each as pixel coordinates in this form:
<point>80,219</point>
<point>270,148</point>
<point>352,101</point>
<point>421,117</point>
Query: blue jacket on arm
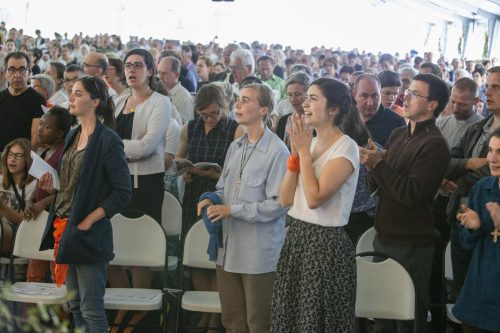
<point>104,182</point>
<point>214,229</point>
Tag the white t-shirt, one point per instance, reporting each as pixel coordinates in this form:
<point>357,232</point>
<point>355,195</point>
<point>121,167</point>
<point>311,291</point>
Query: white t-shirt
<point>9,198</point>
<point>335,211</point>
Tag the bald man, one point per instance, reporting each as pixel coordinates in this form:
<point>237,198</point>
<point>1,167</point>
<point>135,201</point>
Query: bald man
<point>95,64</point>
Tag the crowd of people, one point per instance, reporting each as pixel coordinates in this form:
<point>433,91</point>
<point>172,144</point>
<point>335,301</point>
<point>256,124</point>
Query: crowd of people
<point>329,143</point>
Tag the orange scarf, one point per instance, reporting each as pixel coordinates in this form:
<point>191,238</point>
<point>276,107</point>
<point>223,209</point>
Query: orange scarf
<point>60,270</point>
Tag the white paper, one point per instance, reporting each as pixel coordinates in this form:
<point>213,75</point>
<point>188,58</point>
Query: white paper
<point>40,167</point>
<point>45,109</point>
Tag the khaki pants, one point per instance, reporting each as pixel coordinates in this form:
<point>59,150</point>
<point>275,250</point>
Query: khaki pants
<point>245,301</point>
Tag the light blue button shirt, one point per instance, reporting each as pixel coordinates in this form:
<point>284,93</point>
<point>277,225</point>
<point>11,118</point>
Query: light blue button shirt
<point>254,233</point>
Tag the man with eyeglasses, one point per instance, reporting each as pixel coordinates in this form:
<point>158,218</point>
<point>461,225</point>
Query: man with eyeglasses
<point>95,64</point>
<point>71,74</point>
<point>468,165</point>
<point>20,105</point>
<point>379,120</point>
<point>406,177</point>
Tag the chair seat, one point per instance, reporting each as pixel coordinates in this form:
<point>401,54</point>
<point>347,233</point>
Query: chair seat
<point>133,299</point>
<point>36,292</point>
<point>17,261</point>
<point>201,301</point>
<point>450,315</point>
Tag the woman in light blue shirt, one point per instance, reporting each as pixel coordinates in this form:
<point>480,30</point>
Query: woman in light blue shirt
<point>253,221</point>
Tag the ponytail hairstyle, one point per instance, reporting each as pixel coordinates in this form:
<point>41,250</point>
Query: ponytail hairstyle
<point>347,119</point>
<point>98,89</point>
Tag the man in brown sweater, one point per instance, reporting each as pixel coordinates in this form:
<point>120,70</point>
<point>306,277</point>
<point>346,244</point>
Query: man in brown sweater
<point>407,176</point>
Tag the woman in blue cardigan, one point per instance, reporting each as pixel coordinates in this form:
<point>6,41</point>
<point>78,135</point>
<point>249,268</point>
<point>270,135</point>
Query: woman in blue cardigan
<point>94,185</point>
<point>478,304</point>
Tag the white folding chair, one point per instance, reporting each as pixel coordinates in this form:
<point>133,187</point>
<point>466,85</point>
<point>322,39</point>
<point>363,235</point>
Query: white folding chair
<point>384,290</point>
<point>9,262</point>
<point>365,241</point>
<point>28,239</point>
<point>448,275</point>
<point>138,242</point>
<point>195,256</point>
<point>171,221</point>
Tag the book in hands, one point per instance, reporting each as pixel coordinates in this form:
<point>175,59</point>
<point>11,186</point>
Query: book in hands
<point>182,163</point>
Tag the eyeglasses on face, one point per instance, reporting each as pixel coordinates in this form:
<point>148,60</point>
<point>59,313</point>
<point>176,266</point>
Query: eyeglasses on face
<point>135,65</point>
<point>414,94</point>
<point>20,70</point>
<point>15,156</point>
<point>209,115</point>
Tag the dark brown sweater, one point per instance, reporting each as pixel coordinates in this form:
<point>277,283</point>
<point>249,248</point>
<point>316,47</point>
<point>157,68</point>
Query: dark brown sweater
<point>407,181</point>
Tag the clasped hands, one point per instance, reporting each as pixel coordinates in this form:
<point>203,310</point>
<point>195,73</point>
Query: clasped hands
<point>470,219</point>
<point>371,155</point>
<point>300,135</point>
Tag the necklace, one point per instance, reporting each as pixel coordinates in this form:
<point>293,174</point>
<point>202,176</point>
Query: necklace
<point>244,159</point>
<point>133,106</point>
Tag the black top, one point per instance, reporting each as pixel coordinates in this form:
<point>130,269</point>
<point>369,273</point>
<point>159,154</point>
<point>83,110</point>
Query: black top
<point>17,114</point>
<point>383,123</point>
<point>124,124</point>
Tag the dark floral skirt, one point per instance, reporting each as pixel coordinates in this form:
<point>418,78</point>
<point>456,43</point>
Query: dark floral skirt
<point>315,286</point>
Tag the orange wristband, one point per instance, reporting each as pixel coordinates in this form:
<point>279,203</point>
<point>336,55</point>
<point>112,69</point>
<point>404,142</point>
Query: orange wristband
<point>293,163</point>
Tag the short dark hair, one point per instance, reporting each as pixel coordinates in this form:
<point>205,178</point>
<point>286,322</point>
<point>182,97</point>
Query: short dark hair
<point>466,84</point>
<point>389,79</point>
<point>346,69</point>
<point>386,57</point>
<point>264,58</point>
<point>438,90</point>
<point>17,55</point>
<point>59,67</point>
<point>74,68</point>
<point>64,119</point>
<point>435,69</point>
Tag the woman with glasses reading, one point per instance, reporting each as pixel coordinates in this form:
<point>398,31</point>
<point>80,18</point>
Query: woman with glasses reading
<point>142,118</point>
<point>94,186</point>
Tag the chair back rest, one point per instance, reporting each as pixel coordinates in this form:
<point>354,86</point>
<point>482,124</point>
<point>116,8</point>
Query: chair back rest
<point>448,268</point>
<point>365,241</point>
<point>28,239</point>
<point>195,247</point>
<point>138,242</point>
<point>384,290</point>
<point>171,215</point>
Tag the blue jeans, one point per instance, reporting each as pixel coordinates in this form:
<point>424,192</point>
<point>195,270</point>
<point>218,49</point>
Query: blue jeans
<point>88,282</point>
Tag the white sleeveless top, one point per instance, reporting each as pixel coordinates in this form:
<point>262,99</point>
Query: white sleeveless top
<point>335,211</point>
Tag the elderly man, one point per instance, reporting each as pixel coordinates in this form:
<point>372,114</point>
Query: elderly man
<point>242,66</point>
<point>44,85</point>
<point>20,105</point>
<point>379,120</point>
<point>169,70</point>
<point>95,64</point>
